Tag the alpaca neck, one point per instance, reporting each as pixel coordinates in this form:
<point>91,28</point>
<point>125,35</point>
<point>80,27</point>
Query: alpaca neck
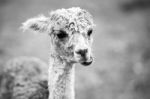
<point>61,79</point>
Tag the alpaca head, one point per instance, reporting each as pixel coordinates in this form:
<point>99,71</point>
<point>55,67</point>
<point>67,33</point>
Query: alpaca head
<point>70,32</point>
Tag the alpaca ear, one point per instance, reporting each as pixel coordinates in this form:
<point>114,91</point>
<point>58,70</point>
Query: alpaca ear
<point>37,24</point>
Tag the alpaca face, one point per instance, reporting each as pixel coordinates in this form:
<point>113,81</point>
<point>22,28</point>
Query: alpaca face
<point>70,31</point>
<point>74,46</point>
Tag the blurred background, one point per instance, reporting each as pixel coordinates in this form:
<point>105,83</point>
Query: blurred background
<point>121,69</point>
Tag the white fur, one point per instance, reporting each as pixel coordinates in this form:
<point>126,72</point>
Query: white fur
<point>75,22</point>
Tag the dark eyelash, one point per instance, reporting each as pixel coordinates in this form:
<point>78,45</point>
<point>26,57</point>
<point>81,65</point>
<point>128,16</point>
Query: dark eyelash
<point>89,32</point>
<point>62,34</point>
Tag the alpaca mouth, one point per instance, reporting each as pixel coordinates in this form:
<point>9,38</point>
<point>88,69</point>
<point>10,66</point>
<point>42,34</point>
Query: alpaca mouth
<point>87,62</point>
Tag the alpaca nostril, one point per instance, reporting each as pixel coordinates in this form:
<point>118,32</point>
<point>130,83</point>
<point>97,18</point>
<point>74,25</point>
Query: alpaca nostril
<point>82,52</point>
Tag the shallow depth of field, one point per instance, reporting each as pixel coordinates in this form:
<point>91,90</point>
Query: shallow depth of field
<point>121,68</point>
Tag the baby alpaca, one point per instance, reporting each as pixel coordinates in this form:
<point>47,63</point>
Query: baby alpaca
<point>70,32</point>
<point>70,39</point>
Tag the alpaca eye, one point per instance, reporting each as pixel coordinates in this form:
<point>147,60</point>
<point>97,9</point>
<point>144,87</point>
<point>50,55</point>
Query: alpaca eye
<point>62,34</point>
<point>89,32</point>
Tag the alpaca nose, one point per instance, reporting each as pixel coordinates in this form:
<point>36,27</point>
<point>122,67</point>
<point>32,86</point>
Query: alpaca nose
<point>82,52</point>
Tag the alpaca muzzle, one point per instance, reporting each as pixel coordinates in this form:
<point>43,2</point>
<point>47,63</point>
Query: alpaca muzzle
<point>87,62</point>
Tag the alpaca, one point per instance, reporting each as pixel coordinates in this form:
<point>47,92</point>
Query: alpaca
<point>24,78</point>
<point>70,42</point>
<point>70,31</point>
